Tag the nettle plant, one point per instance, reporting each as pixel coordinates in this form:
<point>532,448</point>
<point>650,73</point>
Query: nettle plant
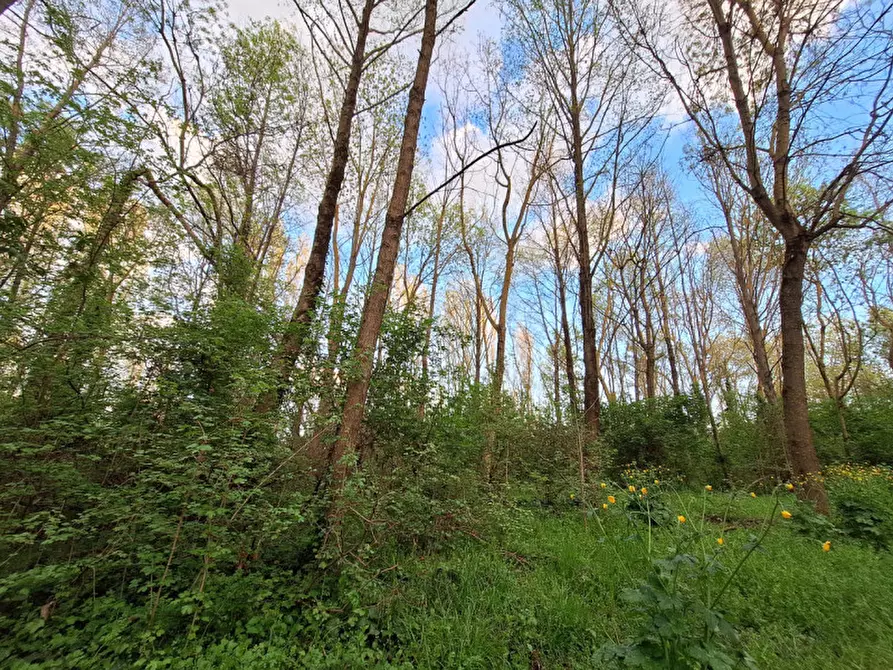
<point>684,623</point>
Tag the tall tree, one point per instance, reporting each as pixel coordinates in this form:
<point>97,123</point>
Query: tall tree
<point>601,105</point>
<point>753,262</point>
<point>781,65</point>
<point>341,37</point>
<point>515,172</point>
<point>294,338</point>
<point>377,299</point>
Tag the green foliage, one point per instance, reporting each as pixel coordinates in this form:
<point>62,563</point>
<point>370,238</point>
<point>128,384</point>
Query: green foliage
<point>862,497</point>
<point>681,631</point>
<point>669,431</point>
<point>551,593</point>
<point>869,421</point>
<point>161,507</point>
<point>751,433</point>
<point>152,509</point>
<point>863,522</point>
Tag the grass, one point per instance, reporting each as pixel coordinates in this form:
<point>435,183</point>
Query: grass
<point>549,595</point>
<point>545,592</point>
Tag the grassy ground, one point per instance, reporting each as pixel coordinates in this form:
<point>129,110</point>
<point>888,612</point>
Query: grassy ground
<point>549,595</point>
<point>549,590</point>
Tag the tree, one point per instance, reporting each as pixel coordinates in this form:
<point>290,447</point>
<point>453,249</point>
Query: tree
<point>559,245</point>
<point>351,50</point>
<point>780,66</point>
<point>516,173</point>
<point>753,262</point>
<point>377,298</point>
<point>589,79</point>
<point>838,357</point>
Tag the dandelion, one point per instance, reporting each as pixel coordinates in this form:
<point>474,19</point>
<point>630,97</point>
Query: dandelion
<point>753,495</point>
<point>604,486</point>
<point>789,486</point>
<point>826,545</point>
<point>785,514</point>
<point>632,489</point>
<point>612,499</point>
<point>720,541</point>
<point>708,487</point>
<point>644,491</point>
<point>604,505</point>
<point>681,518</point>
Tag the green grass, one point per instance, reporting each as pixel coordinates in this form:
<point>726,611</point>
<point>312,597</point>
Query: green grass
<point>543,590</point>
<point>551,593</point>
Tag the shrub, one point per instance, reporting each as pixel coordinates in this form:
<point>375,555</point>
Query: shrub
<point>862,498</point>
<point>669,431</point>
<point>869,421</point>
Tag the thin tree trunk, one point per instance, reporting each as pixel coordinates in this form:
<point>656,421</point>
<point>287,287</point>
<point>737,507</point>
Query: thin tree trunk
<point>752,319</point>
<point>432,298</point>
<point>591,406</point>
<point>668,332</point>
<point>373,313</point>
<point>832,386</point>
<point>565,327</point>
<point>502,322</point>
<point>478,339</point>
<point>649,344</point>
<point>556,379</point>
<point>294,339</point>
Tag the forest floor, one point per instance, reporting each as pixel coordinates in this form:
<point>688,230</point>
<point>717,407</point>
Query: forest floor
<point>555,590</point>
<point>543,589</point>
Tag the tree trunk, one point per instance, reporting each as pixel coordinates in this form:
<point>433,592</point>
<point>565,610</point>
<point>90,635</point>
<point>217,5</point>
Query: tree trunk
<point>294,339</point>
<point>556,379</point>
<point>760,357</point>
<point>566,330</point>
<point>478,338</point>
<point>844,431</point>
<point>667,332</point>
<point>432,297</point>
<point>502,322</point>
<point>752,319</point>
<point>377,300</point>
<point>890,352</point>
<point>800,447</point>
<point>591,407</point>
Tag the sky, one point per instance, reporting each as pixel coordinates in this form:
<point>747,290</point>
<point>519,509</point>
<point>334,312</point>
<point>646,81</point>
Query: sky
<point>482,21</point>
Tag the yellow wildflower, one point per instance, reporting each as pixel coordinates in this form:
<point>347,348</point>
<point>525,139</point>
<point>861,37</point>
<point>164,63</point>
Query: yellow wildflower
<point>720,541</point>
<point>572,496</point>
<point>612,499</point>
<point>604,486</point>
<point>753,495</point>
<point>604,505</point>
<point>785,514</point>
<point>708,487</point>
<point>789,486</point>
<point>681,518</point>
<point>826,545</point>
<point>657,481</point>
<point>644,491</point>
<point>632,489</point>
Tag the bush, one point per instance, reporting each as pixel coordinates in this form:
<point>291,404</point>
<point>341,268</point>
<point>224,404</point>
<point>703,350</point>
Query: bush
<point>752,437</point>
<point>869,421</point>
<point>862,498</point>
<point>668,431</point>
